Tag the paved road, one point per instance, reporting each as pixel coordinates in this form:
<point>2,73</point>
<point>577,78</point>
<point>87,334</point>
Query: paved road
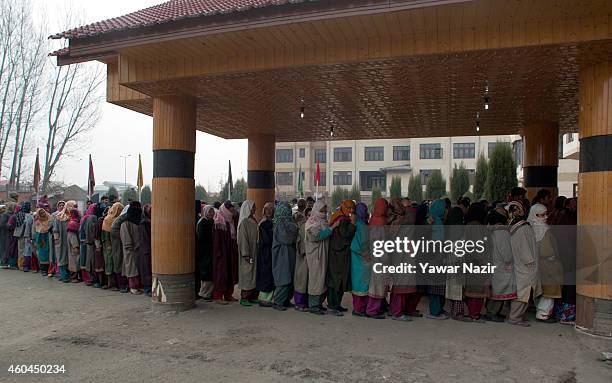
<point>103,336</point>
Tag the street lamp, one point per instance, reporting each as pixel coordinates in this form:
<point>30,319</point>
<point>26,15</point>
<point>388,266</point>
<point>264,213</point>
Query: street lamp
<point>125,157</point>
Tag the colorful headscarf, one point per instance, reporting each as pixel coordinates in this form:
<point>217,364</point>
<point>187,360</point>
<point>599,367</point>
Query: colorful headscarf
<point>64,214</point>
<point>540,227</point>
<point>379,215</point>
<point>75,218</point>
<point>41,221</point>
<point>89,212</point>
<point>516,212</point>
<point>228,216</point>
<point>20,214</point>
<point>245,211</point>
<point>282,213</point>
<point>436,212</point>
<point>343,212</point>
<point>111,216</point>
<point>317,218</point>
<point>361,210</point>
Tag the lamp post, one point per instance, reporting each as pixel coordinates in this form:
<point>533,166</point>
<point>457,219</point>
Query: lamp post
<point>125,157</point>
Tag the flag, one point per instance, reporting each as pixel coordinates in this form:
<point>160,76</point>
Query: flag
<point>139,181</point>
<point>318,175</point>
<point>37,172</point>
<point>300,186</point>
<point>91,181</point>
<point>230,183</point>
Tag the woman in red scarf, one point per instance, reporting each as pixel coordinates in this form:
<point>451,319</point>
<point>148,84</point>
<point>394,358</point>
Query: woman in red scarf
<point>379,283</point>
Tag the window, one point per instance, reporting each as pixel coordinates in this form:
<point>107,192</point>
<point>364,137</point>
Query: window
<point>569,138</point>
<point>368,180</point>
<point>464,150</point>
<point>320,155</point>
<point>302,152</point>
<point>425,174</point>
<point>343,155</point>
<point>401,153</point>
<point>517,152</point>
<point>284,155</point>
<point>323,180</point>
<point>284,178</point>
<point>375,153</point>
<point>343,178</point>
<point>430,151</point>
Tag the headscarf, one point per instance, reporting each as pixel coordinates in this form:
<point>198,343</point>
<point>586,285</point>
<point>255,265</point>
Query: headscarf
<point>516,212</point>
<point>41,221</point>
<point>205,211</point>
<point>317,218</point>
<point>268,205</point>
<point>397,211</point>
<point>64,214</point>
<point>90,211</point>
<point>146,213</point>
<point>245,211</point>
<point>539,224</point>
<point>134,213</point>
<point>455,216</point>
<point>10,207</point>
<point>436,212</point>
<point>361,210</point>
<point>111,216</point>
<point>282,213</point>
<point>224,210</point>
<point>75,217</point>
<point>43,202</point>
<point>343,212</point>
<point>220,222</point>
<point>21,212</point>
<point>379,215</point>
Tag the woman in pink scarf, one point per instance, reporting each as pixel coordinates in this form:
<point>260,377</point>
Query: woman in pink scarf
<point>225,255</point>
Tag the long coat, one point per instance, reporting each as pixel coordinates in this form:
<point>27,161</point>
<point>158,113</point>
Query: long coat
<point>265,278</point>
<point>60,240</point>
<point>525,254</point>
<point>476,284</point>
<point>222,273</point>
<point>116,244</point>
<point>144,256</point>
<point>283,253</point>
<point>204,246</point>
<point>247,254</point>
<point>4,233</point>
<point>503,283</point>
<point>550,267</point>
<point>317,247</point>
<point>130,239</point>
<point>339,259</point>
<point>361,261</point>
<point>300,278</point>
<point>90,240</point>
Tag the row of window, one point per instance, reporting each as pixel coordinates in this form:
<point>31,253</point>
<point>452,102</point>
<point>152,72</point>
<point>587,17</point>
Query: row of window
<point>377,153</point>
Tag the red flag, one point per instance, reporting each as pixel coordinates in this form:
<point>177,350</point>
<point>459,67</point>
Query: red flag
<point>318,175</point>
<point>91,181</point>
<point>37,172</point>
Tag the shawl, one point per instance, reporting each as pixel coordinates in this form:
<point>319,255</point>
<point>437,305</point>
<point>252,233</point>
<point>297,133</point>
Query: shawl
<point>379,215</point>
<point>268,205</point>
<point>41,221</point>
<point>134,213</point>
<point>111,216</point>
<point>343,213</point>
<point>20,214</point>
<point>73,224</point>
<point>516,212</point>
<point>245,211</point>
<point>436,212</point>
<point>361,210</point>
<point>228,216</point>
<point>317,217</point>
<point>205,210</point>
<point>88,213</point>
<point>220,222</point>
<point>65,213</point>
<point>540,227</point>
<point>282,214</point>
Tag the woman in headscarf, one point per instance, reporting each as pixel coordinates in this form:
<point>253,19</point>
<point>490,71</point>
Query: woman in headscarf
<point>283,255</point>
<point>380,283</point>
<point>11,240</point>
<point>113,254</point>
<point>118,256</point>
<point>24,231</point>
<point>60,240</point>
<point>476,284</point>
<point>525,255</point>
<point>42,238</point>
<point>54,267</point>
<point>437,282</point>
<point>144,257</point>
<point>247,250</point>
<point>454,226</point>
<point>361,261</point>
<point>228,211</point>
<point>338,279</point>
<point>413,297</point>
<point>265,278</point>
<point>4,217</point>
<point>222,273</point>
<point>130,240</point>
<point>549,266</point>
<point>300,278</point>
<point>74,244</point>
<point>89,223</point>
<point>317,236</point>
<point>204,247</point>
<point>503,285</point>
<point>99,262</point>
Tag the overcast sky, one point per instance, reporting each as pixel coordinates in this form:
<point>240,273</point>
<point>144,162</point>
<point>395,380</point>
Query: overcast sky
<point>133,129</point>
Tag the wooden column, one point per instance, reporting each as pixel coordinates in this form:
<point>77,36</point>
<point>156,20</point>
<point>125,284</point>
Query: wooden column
<point>594,242</point>
<point>172,221</point>
<point>260,168</point>
<point>541,157</point>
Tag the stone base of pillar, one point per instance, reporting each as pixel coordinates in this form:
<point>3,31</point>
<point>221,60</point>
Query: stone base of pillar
<point>594,315</point>
<point>173,293</point>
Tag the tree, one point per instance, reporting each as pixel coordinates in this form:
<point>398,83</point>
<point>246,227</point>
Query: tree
<point>129,194</point>
<point>200,193</point>
<point>376,194</point>
<point>112,191</point>
<point>145,195</point>
<point>501,176</point>
<point>339,194</point>
<point>395,190</point>
<point>415,189</point>
<point>459,182</point>
<point>355,193</point>
<point>436,185</point>
<point>482,170</point>
<point>240,190</point>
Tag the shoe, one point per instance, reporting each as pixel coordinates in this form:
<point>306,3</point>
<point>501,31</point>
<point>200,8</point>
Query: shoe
<point>207,299</point>
<point>342,309</point>
<point>97,285</point>
<point>519,323</point>
<point>74,281</point>
<point>114,288</point>
<point>494,318</point>
<point>358,314</point>
<point>336,313</point>
<point>301,309</point>
<point>4,267</point>
<point>43,274</point>
<point>124,291</point>
<point>105,287</point>
<point>547,320</point>
<point>415,314</point>
<point>265,304</point>
<point>135,291</point>
<point>221,302</point>
<point>317,312</point>
<point>246,303</point>
<point>442,316</point>
<point>88,284</point>
<point>403,318</point>
<point>279,307</point>
<point>231,299</point>
<point>377,316</point>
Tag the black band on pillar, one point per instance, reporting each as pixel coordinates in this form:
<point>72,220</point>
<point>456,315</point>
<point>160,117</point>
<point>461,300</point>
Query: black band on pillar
<point>540,176</point>
<point>260,179</point>
<point>173,163</point>
<point>596,154</point>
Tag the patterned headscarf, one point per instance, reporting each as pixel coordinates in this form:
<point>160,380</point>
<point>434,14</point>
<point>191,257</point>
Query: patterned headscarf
<point>516,211</point>
<point>317,218</point>
<point>41,221</point>
<point>361,210</point>
<point>228,216</point>
<point>282,213</point>
<point>111,216</point>
<point>343,212</point>
<point>64,214</point>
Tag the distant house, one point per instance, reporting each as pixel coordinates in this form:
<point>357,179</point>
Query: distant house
<point>74,193</point>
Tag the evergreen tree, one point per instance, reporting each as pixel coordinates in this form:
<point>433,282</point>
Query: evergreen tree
<point>436,185</point>
<point>339,194</point>
<point>480,182</point>
<point>129,194</point>
<point>355,193</point>
<point>459,182</point>
<point>415,189</point>
<point>200,193</point>
<point>240,190</point>
<point>376,194</point>
<point>112,191</point>
<point>395,190</point>
<point>145,195</point>
<point>501,176</point>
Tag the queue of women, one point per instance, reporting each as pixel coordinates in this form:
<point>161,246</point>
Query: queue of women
<point>309,259</point>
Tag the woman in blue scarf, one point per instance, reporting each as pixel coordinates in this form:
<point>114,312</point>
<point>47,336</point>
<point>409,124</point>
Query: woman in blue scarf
<point>361,261</point>
<point>436,288</point>
<point>283,255</point>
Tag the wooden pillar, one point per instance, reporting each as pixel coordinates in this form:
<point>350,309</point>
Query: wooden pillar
<point>172,221</point>
<point>260,168</point>
<point>594,242</point>
<point>541,157</point>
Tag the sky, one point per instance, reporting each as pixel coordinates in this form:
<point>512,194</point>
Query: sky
<point>122,132</point>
